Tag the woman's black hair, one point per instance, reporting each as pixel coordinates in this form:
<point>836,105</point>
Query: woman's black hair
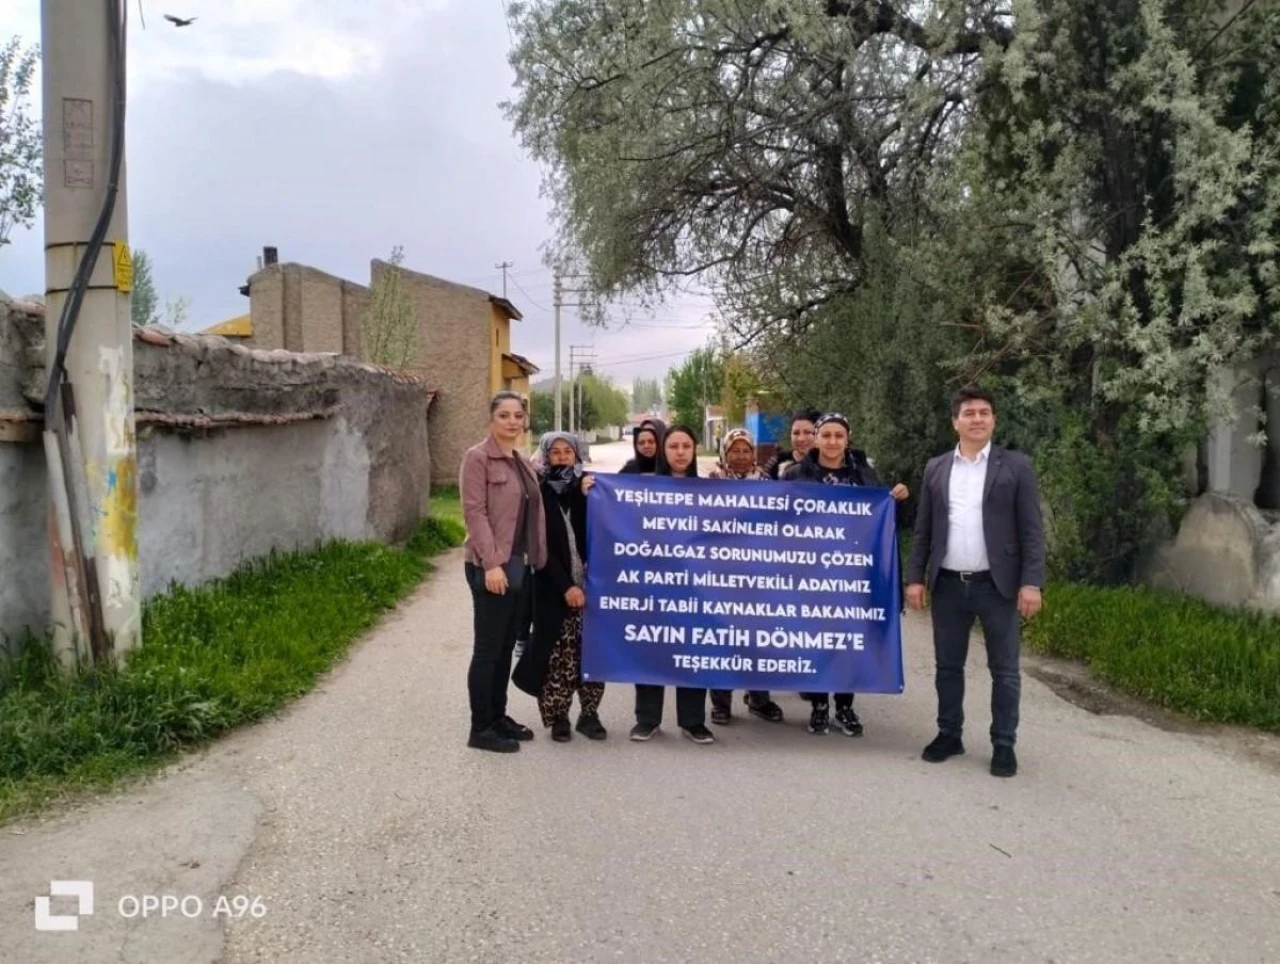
<point>806,415</point>
<point>664,468</point>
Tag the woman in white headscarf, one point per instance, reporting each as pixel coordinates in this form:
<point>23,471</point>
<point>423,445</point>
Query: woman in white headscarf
<point>551,666</point>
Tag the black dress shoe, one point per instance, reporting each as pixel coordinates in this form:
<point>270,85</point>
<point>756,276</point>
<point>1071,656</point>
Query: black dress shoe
<point>943,747</point>
<point>1004,762</point>
<point>492,740</point>
<point>511,728</point>
<point>560,731</point>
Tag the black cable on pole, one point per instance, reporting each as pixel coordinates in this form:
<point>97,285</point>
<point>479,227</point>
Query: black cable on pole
<point>116,26</point>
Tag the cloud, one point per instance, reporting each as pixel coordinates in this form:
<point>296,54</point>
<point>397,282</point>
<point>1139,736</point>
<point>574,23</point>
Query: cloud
<point>335,135</point>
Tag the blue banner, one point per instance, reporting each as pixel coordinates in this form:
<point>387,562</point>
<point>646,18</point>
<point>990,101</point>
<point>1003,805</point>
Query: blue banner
<point>742,585</point>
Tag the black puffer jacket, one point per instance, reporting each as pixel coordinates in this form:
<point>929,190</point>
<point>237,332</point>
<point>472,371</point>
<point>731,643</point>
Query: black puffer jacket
<point>809,469</point>
<point>861,473</point>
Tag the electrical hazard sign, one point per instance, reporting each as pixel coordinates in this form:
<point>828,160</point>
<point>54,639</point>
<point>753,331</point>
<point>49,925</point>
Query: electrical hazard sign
<point>122,261</point>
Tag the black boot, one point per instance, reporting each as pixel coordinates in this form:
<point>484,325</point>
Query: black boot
<point>589,725</point>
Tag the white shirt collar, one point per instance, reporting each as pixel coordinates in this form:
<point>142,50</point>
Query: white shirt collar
<point>983,456</point>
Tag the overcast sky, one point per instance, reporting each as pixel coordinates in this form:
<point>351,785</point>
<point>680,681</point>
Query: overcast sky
<point>334,135</point>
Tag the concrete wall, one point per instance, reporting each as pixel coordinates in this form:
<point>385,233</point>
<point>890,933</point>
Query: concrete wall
<point>1226,552</point>
<point>24,553</point>
<point>1227,548</point>
<point>239,452</point>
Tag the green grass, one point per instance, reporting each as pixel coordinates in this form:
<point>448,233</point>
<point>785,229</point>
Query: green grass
<point>1215,665</point>
<point>213,658</point>
<point>446,505</point>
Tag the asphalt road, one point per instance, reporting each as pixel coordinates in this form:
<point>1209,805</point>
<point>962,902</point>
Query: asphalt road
<point>371,833</point>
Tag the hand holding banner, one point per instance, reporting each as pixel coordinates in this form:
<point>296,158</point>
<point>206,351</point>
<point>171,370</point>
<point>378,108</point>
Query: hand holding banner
<point>742,585</point>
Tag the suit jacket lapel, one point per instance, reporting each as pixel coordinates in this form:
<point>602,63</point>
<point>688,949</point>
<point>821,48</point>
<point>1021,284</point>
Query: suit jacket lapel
<point>944,480</point>
<point>993,469</point>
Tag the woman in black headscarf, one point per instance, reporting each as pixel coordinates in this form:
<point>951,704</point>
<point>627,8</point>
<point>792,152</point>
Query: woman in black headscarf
<point>647,443</point>
<point>832,462</point>
<point>551,667</point>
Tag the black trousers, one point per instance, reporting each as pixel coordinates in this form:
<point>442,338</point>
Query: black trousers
<point>691,705</point>
<point>956,604</point>
<point>724,698</point>
<point>498,620</point>
<point>842,700</point>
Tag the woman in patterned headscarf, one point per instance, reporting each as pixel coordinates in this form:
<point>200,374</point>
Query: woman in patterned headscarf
<point>551,667</point>
<point>738,457</point>
<point>738,461</point>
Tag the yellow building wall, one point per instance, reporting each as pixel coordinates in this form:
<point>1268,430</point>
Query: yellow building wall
<point>499,345</point>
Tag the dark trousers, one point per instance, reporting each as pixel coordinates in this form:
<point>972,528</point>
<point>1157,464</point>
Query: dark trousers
<point>497,623</point>
<point>844,701</point>
<point>956,604</point>
<point>691,705</point>
<point>724,698</point>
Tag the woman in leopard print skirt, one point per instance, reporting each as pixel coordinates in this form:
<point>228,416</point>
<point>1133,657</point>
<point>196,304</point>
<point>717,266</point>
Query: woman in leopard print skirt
<point>551,666</point>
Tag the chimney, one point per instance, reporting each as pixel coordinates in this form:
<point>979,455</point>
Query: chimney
<point>270,256</point>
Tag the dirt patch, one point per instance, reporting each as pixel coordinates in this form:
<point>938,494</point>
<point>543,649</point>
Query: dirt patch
<point>1074,683</point>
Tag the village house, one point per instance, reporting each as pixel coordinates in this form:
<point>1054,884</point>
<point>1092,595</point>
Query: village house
<point>464,340</point>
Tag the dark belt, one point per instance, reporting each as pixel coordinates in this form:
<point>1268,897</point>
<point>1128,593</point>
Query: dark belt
<point>983,576</point>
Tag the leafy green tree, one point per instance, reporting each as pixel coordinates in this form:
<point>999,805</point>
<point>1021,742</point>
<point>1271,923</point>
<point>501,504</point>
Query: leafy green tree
<point>542,413</point>
<point>603,404</point>
<point>389,326</point>
<point>692,385</point>
<point>748,144</point>
<point>144,301</point>
<point>646,394</point>
<point>21,142</point>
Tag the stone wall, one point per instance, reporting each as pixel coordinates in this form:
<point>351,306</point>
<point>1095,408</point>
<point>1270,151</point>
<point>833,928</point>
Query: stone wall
<point>240,452</point>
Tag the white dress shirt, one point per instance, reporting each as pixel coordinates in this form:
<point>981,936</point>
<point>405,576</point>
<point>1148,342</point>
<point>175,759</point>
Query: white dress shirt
<point>966,541</point>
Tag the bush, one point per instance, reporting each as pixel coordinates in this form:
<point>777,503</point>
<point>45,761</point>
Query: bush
<point>1213,664</point>
<point>212,658</point>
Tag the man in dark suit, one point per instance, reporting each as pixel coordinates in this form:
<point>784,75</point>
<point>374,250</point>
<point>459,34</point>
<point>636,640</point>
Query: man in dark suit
<point>979,547</point>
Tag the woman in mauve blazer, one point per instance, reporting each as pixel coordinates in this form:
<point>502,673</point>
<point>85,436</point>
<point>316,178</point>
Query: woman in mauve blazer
<point>506,542</point>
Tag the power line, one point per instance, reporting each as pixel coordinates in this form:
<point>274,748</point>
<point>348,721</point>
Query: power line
<point>527,295</point>
<point>639,358</point>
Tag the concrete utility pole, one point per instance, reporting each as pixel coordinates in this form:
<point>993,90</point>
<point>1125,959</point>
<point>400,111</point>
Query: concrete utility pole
<point>503,266</point>
<point>555,301</point>
<point>580,356</point>
<point>89,420</point>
